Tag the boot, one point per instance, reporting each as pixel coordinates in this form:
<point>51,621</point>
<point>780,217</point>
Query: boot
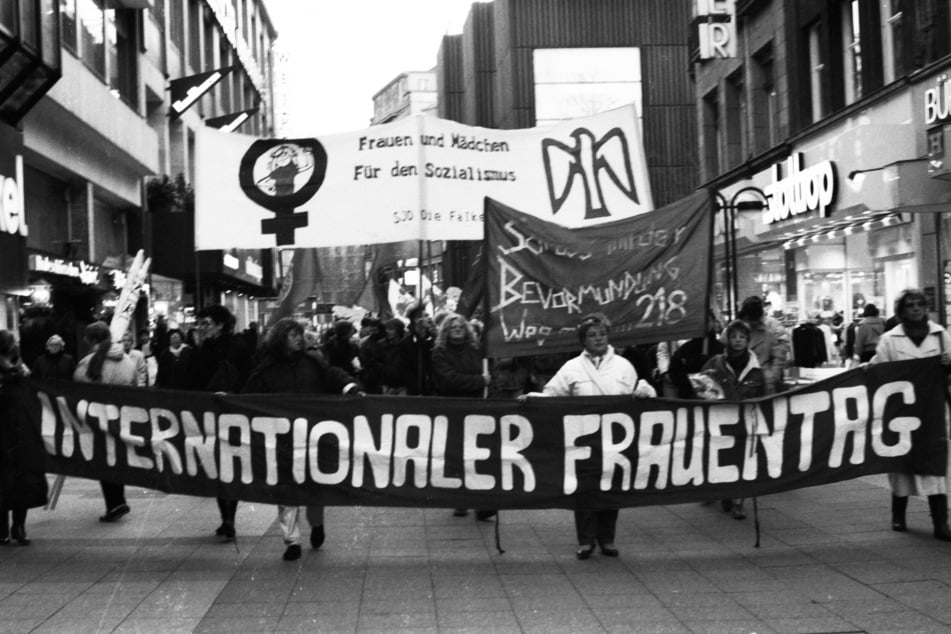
<point>938,505</point>
<point>899,506</point>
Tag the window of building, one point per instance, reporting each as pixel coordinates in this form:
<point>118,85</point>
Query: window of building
<point>893,59</point>
<point>931,33</point>
<point>176,24</point>
<point>224,86</point>
<point>92,35</point>
<point>851,51</point>
<point>576,82</point>
<point>765,102</point>
<point>209,43</point>
<point>194,34</point>
<point>711,134</point>
<point>734,114</point>
<point>816,67</point>
<point>121,54</point>
<point>67,11</point>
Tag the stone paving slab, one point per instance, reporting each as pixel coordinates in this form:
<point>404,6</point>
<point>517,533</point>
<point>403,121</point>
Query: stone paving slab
<point>827,563</point>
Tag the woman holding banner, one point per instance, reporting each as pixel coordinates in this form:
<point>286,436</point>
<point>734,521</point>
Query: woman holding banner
<point>458,371</point>
<point>287,368</point>
<point>22,478</point>
<point>916,337</point>
<point>597,371</point>
<point>107,363</point>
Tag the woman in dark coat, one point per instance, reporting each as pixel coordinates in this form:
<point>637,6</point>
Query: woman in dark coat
<point>287,368</point>
<point>22,478</point>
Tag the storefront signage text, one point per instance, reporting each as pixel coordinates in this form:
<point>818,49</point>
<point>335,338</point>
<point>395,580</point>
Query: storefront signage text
<point>12,218</point>
<point>716,28</point>
<point>83,271</point>
<point>801,190</point>
<point>938,102</point>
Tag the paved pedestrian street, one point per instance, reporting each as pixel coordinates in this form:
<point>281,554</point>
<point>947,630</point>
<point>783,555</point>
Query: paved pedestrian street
<point>828,562</point>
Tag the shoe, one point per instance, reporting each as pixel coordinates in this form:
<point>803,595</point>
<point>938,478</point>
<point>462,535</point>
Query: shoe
<point>899,526</point>
<point>608,550</point>
<point>485,516</point>
<point>737,512</point>
<point>585,552</point>
<point>227,532</point>
<point>726,505</point>
<point>292,553</point>
<point>460,512</point>
<point>317,536</point>
<point>19,534</point>
<point>942,533</point>
<point>115,513</point>
<point>4,540</point>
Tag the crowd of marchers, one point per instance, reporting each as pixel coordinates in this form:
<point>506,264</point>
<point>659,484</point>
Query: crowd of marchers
<point>439,355</point>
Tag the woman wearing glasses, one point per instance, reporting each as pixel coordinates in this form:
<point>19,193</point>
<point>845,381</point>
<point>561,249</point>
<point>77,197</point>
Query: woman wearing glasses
<point>916,337</point>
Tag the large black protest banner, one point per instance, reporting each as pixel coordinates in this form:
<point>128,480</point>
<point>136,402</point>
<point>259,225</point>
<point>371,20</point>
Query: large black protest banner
<point>650,274</point>
<point>545,453</point>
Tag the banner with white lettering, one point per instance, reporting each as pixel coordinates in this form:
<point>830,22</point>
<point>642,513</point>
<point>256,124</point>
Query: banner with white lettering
<point>420,178</point>
<point>544,453</point>
<point>650,274</point>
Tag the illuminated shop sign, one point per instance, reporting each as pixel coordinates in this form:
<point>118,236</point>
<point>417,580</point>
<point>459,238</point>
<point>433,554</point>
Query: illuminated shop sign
<point>83,271</point>
<point>12,217</point>
<point>716,28</point>
<point>800,191</point>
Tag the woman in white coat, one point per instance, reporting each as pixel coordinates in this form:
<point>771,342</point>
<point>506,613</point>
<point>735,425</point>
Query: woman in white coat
<point>596,371</point>
<point>916,337</point>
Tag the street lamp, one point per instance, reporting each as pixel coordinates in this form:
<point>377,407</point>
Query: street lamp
<point>730,210</point>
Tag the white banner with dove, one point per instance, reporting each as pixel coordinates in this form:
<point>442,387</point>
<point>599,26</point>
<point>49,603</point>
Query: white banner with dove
<point>420,178</point>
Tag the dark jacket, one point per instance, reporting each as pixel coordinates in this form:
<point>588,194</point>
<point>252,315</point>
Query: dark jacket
<point>173,369</point>
<point>749,383</point>
<point>22,457</point>
<point>221,364</point>
<point>53,366</point>
<point>457,371</point>
<point>297,374</point>
<point>372,362</point>
<point>688,359</point>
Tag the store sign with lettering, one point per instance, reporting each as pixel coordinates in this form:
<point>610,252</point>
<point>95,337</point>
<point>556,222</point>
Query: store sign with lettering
<point>938,102</point>
<point>716,28</point>
<point>83,271</point>
<point>801,190</point>
<point>12,209</point>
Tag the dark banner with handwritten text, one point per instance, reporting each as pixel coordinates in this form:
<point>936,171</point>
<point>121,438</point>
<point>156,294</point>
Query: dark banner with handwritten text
<point>650,274</point>
<point>544,453</point>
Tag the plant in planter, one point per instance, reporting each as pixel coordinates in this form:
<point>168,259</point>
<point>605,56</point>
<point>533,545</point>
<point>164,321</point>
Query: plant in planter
<point>167,194</point>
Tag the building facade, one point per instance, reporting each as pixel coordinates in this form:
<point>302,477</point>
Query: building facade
<point>521,64</point>
<point>822,126</point>
<point>111,125</point>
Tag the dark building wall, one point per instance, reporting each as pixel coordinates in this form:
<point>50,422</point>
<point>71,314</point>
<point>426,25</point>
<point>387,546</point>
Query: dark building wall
<point>495,66</point>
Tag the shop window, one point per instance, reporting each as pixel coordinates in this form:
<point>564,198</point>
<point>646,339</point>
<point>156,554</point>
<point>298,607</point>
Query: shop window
<point>765,102</point>
<point>893,58</point>
<point>851,51</point>
<point>734,140</point>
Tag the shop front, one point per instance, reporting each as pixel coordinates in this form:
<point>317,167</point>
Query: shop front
<point>13,227</point>
<point>850,217</point>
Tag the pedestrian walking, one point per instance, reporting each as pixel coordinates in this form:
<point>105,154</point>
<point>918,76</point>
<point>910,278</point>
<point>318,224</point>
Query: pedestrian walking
<point>220,363</point>
<point>458,372</point>
<point>107,363</point>
<point>22,478</point>
<point>917,337</point>
<point>173,362</point>
<point>738,373</point>
<point>867,334</point>
<point>597,371</point>
<point>287,368</point>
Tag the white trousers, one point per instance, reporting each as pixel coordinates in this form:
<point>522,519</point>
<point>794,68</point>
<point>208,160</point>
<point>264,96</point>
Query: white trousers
<point>289,518</point>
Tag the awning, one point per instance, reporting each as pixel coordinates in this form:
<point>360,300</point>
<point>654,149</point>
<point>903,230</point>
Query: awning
<point>849,225</point>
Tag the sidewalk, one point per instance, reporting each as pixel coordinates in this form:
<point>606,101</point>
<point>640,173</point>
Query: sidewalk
<point>828,562</point>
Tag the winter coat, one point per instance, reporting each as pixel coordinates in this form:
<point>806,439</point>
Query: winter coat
<point>579,376</point>
<point>895,345</point>
<point>118,368</point>
<point>749,383</point>
<point>221,364</point>
<point>53,366</point>
<point>297,374</point>
<point>867,335</point>
<point>22,457</point>
<point>172,368</point>
<point>457,371</point>
<point>769,341</point>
